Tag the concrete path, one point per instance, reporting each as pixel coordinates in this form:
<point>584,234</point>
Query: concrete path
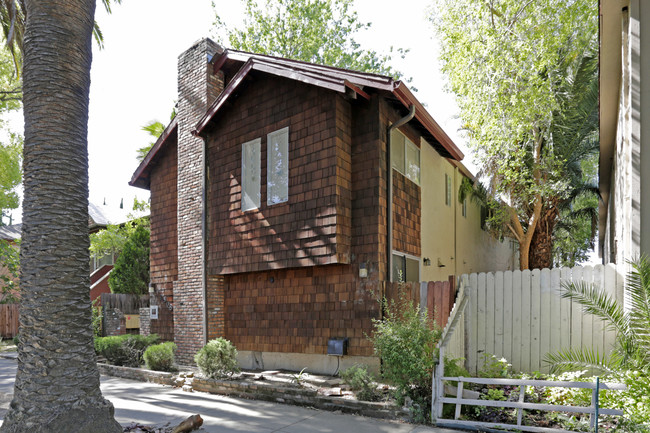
<point>151,404</point>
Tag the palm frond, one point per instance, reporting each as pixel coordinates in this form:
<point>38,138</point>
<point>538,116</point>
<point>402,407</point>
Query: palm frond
<point>576,359</point>
<point>638,294</point>
<point>598,303</point>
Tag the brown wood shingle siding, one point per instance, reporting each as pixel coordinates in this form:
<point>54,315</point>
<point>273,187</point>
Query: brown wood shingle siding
<point>313,227</point>
<point>164,237</point>
<point>297,310</point>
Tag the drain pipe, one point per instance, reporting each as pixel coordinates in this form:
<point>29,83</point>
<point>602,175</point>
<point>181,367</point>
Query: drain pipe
<point>389,189</point>
<point>204,237</point>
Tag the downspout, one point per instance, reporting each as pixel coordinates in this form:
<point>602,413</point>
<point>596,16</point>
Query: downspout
<point>389,189</point>
<point>455,200</point>
<point>204,238</point>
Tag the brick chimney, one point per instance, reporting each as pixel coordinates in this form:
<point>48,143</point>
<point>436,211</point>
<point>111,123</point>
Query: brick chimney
<point>198,87</point>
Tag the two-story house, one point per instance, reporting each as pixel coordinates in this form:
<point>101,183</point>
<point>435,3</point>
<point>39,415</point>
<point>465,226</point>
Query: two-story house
<point>284,195</point>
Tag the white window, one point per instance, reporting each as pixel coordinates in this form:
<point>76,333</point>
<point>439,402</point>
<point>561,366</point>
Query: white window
<point>250,174</point>
<point>405,156</point>
<point>447,190</point>
<point>277,167</point>
<point>406,268</point>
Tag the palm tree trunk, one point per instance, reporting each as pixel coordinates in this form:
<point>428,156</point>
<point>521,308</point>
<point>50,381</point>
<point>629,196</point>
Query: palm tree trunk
<point>57,384</point>
<point>541,246</point>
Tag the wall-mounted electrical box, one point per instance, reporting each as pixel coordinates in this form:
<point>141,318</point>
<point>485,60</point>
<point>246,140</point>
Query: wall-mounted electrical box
<point>337,346</point>
<point>153,312</point>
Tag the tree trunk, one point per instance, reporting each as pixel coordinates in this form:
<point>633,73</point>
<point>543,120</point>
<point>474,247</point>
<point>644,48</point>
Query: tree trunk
<point>57,383</point>
<point>541,246</point>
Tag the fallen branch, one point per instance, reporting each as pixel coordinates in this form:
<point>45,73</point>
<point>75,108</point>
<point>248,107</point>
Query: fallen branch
<point>191,423</point>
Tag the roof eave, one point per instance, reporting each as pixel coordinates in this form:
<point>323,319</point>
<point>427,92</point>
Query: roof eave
<point>404,95</point>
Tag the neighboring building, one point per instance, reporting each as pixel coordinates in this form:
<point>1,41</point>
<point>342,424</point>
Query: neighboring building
<point>269,198</point>
<point>624,228</point>
<point>99,267</point>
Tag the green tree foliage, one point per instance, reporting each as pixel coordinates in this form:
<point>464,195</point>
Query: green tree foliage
<point>111,240</point>
<point>314,31</point>
<point>131,271</point>
<point>10,261</point>
<point>512,65</point>
<point>155,129</point>
<point>10,174</point>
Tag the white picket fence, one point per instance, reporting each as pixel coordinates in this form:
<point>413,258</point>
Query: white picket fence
<point>521,316</point>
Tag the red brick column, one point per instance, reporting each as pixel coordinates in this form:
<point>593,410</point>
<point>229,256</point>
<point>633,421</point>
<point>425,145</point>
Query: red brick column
<point>197,88</point>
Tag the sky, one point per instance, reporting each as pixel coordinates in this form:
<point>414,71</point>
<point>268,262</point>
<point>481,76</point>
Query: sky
<point>133,79</point>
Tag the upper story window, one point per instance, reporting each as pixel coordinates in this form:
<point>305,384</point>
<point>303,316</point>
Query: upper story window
<point>277,167</point>
<point>405,156</point>
<point>250,175</point>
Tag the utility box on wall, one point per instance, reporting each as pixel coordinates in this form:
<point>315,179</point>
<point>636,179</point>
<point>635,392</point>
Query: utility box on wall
<point>153,312</point>
<point>337,346</point>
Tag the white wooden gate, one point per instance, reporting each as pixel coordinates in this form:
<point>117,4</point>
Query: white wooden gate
<point>520,315</point>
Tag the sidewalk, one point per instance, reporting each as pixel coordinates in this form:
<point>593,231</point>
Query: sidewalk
<point>151,404</point>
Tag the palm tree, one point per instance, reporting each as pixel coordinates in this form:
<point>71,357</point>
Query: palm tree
<point>574,133</point>
<point>57,383</point>
<point>632,325</point>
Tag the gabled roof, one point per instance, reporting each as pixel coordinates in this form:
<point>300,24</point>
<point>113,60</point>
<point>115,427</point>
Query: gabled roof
<point>336,79</point>
<point>241,64</point>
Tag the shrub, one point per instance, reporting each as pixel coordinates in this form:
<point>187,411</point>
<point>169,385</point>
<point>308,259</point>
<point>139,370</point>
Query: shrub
<point>126,350</point>
<point>405,341</point>
<point>218,358</point>
<point>16,340</point>
<point>160,357</point>
<point>362,381</point>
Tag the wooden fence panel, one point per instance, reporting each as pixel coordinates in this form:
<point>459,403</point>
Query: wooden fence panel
<point>521,315</point>
<point>8,320</point>
<point>507,315</point>
<point>126,303</point>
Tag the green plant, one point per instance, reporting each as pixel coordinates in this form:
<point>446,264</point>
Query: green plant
<point>298,377</point>
<point>361,381</point>
<point>218,358</point>
<point>126,350</point>
<point>405,341</point>
<point>16,340</point>
<point>160,357</point>
<point>97,317</point>
<point>632,326</point>
<point>494,367</point>
<point>634,402</point>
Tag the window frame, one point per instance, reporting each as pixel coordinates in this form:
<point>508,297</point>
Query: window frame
<point>405,256</point>
<point>407,143</point>
<point>269,163</point>
<point>255,195</point>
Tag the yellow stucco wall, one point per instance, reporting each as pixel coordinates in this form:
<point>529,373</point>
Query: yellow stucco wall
<point>449,238</point>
